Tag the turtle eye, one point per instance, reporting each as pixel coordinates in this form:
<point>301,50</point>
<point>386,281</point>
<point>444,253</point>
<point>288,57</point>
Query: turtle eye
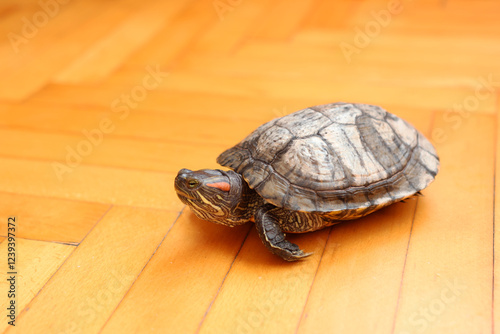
<point>192,183</point>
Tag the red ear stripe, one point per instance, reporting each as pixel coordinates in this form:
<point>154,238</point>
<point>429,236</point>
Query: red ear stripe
<point>224,186</point>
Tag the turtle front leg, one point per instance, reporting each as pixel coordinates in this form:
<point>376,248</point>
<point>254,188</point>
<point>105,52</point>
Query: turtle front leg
<point>273,237</point>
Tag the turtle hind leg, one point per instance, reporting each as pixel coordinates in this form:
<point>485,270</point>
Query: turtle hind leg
<point>273,237</point>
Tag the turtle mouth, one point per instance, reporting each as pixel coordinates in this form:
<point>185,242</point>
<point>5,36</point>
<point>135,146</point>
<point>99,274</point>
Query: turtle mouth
<point>184,196</point>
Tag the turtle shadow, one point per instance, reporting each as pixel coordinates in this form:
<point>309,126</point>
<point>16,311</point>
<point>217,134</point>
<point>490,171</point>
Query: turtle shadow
<point>392,224</point>
<point>215,239</point>
<point>244,245</point>
<point>378,231</point>
<point>240,244</point>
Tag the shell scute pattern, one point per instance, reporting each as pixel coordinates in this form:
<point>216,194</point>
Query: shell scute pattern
<point>271,142</point>
<point>342,160</point>
<point>372,111</point>
<point>307,163</point>
<point>293,122</point>
<point>299,198</point>
<point>380,139</point>
<point>355,160</point>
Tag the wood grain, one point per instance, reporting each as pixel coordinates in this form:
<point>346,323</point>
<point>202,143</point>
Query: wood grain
<point>91,283</point>
<point>130,187</point>
<point>352,280</point>
<point>37,262</point>
<point>441,281</point>
<point>249,302</point>
<point>67,221</point>
<point>101,103</point>
<point>182,279</point>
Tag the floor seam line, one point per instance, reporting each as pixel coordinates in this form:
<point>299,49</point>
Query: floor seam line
<point>142,270</point>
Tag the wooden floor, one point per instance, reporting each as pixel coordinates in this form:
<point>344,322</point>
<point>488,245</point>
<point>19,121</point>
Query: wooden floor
<point>102,102</point>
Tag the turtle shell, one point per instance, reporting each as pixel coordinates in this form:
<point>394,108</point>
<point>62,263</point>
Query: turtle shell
<point>334,157</point>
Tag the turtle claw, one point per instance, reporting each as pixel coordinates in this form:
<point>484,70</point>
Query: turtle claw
<point>295,256</point>
<point>288,251</point>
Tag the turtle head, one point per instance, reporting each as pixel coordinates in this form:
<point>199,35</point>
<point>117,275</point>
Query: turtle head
<point>213,195</point>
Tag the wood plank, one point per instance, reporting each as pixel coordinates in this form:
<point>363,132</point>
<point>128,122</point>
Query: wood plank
<point>296,11</point>
<point>496,233</point>
<point>167,103</point>
<point>360,274</point>
<point>330,15</point>
<point>11,13</point>
<point>418,53</point>
<point>309,48</point>
<point>236,21</point>
<point>91,184</point>
<point>36,261</point>
<point>369,69</point>
<point>321,91</point>
<point>177,36</point>
<point>29,69</point>
<point>454,17</point>
<point>67,221</point>
<point>109,52</point>
<point>447,285</point>
<point>131,124</point>
<point>270,293</point>
<point>90,284</point>
<point>22,34</point>
<point>182,279</point>
<point>126,153</point>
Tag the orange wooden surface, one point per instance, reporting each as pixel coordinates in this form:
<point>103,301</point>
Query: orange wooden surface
<point>101,103</point>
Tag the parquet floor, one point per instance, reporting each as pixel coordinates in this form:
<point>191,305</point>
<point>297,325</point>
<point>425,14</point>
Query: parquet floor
<point>102,102</point>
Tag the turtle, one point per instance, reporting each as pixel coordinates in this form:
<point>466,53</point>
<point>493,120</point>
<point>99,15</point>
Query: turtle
<point>311,169</point>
